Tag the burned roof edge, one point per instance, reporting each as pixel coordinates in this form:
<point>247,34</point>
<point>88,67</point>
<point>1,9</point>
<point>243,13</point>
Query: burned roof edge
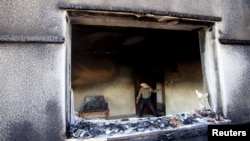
<point>70,6</point>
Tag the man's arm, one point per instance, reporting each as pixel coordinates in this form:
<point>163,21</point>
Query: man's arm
<point>138,97</point>
<point>155,90</point>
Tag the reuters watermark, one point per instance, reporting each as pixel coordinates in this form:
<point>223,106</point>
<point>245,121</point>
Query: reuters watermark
<point>241,132</point>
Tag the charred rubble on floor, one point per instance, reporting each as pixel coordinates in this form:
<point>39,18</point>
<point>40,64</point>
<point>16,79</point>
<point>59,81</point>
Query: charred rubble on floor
<point>87,128</point>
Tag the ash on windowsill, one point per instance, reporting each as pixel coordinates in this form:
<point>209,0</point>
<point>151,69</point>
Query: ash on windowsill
<point>98,127</point>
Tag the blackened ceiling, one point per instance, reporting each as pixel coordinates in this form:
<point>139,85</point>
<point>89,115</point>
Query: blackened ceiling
<point>136,46</point>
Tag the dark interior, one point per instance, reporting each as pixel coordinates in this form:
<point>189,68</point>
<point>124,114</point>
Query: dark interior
<point>140,48</point>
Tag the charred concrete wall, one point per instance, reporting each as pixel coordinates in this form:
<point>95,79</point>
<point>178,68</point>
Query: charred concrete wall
<point>180,87</point>
<point>224,54</point>
<point>33,54</point>
<point>96,74</point>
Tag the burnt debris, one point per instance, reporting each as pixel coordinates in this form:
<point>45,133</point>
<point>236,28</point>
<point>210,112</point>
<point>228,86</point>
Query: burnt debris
<point>95,104</point>
<point>87,129</point>
<point>84,128</point>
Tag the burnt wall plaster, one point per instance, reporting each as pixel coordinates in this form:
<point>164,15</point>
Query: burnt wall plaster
<point>225,65</point>
<point>233,65</point>
<point>43,17</point>
<point>180,87</point>
<point>233,62</point>
<point>209,53</point>
<point>234,25</point>
<point>96,74</point>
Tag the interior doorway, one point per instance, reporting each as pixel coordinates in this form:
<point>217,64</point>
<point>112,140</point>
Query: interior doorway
<point>146,76</point>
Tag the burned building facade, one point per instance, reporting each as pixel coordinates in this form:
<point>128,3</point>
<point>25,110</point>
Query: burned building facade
<point>54,53</point>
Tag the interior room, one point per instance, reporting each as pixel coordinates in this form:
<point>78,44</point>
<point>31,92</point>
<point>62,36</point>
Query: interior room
<point>112,61</point>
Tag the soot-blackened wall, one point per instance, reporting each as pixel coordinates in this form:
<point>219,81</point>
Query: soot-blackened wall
<point>33,59</point>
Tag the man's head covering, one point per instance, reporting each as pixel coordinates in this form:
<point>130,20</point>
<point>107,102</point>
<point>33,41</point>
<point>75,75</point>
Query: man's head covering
<point>145,85</point>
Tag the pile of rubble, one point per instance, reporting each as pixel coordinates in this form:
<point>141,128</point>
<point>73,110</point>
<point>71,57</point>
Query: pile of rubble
<point>84,128</point>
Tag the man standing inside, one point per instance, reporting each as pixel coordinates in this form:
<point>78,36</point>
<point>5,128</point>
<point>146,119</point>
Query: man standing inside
<point>145,94</point>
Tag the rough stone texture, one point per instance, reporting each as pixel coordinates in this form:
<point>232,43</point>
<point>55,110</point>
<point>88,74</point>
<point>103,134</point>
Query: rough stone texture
<point>32,87</point>
<point>27,17</point>
<point>234,62</point>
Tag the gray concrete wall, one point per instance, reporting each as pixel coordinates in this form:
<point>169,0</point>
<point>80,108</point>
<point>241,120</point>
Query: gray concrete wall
<point>33,75</point>
<point>32,101</point>
<point>233,61</point>
<point>32,71</point>
<point>26,17</point>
